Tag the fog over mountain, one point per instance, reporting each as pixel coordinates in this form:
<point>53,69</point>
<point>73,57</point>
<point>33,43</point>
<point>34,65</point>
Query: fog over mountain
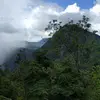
<point>25,20</point>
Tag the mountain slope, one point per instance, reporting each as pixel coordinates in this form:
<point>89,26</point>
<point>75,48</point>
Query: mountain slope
<point>66,42</point>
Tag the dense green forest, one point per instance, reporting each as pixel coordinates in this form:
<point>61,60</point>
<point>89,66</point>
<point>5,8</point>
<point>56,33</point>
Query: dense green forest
<point>67,67</point>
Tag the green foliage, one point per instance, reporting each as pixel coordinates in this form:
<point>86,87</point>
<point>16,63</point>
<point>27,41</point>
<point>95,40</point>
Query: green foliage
<point>94,93</point>
<point>4,98</point>
<point>6,88</point>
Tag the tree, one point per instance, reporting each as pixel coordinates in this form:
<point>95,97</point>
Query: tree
<point>77,45</point>
<point>53,26</point>
<point>93,90</point>
<point>42,59</point>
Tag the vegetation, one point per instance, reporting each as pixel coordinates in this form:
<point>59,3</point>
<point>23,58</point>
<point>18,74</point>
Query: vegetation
<point>67,67</point>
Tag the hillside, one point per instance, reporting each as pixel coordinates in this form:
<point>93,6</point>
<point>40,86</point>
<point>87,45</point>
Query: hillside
<point>64,43</point>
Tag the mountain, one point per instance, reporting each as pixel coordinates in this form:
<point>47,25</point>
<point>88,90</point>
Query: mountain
<point>23,54</point>
<point>35,45</point>
<point>67,42</point>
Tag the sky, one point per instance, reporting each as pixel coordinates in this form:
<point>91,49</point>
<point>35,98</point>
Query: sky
<point>84,4</point>
<point>25,20</point>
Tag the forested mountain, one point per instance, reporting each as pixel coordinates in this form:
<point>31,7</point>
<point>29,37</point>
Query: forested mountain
<point>66,67</point>
<point>72,40</point>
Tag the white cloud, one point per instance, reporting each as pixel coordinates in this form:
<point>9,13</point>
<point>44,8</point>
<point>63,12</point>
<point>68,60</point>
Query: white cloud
<point>72,9</point>
<point>96,9</point>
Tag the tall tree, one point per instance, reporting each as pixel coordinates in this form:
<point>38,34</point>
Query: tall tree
<point>53,26</point>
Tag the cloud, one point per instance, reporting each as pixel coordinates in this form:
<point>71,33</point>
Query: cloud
<point>12,33</point>
<point>97,1</point>
<point>8,44</point>
<point>96,9</point>
<point>7,28</point>
<point>72,8</point>
<point>40,15</point>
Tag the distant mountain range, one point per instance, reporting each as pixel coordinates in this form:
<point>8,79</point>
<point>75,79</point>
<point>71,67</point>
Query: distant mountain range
<point>35,45</point>
<point>23,54</point>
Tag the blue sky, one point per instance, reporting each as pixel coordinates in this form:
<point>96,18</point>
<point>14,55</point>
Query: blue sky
<point>84,4</point>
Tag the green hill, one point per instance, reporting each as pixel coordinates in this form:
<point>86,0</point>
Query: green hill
<point>72,40</point>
